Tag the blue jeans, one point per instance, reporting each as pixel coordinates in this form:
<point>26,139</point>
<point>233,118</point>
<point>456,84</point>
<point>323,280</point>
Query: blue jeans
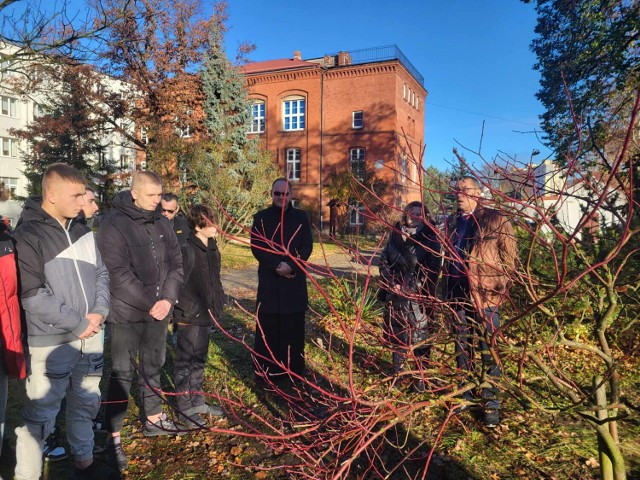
<point>482,325</point>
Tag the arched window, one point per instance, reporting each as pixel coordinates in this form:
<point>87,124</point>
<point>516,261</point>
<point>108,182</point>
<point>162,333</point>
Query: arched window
<point>258,117</point>
<point>293,113</point>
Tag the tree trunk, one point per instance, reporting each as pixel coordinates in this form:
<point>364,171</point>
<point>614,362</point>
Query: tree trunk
<point>611,461</point>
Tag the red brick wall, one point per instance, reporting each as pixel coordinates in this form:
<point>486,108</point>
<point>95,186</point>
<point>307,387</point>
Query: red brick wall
<point>377,90</point>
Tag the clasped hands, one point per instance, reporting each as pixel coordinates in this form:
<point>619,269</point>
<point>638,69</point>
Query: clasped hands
<point>95,320</point>
<point>285,270</point>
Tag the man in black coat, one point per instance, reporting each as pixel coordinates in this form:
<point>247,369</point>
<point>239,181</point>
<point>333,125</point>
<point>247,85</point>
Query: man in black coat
<point>144,261</point>
<point>171,211</point>
<point>281,241</point>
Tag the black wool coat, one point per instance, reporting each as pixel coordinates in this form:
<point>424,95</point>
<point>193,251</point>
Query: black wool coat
<point>279,235</point>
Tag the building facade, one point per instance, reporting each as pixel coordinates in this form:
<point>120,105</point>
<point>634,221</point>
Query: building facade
<point>17,111</point>
<point>360,111</point>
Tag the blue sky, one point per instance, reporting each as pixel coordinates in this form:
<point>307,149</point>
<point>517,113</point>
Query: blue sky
<point>474,56</point>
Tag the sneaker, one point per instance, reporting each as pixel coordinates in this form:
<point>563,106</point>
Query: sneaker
<point>210,410</point>
<point>164,426</point>
<point>193,420</point>
<point>491,418</point>
<point>53,451</point>
<point>115,453</point>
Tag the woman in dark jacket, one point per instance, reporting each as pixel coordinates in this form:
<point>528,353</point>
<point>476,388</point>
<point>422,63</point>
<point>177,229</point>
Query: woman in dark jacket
<point>409,269</point>
<point>200,294</point>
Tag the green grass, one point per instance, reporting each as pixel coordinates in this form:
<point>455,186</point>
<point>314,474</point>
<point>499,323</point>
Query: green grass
<point>533,444</point>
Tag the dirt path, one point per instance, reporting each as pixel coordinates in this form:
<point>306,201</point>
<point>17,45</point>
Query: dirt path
<point>244,282</point>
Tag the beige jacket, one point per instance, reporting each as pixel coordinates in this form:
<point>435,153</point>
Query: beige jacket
<point>492,260</point>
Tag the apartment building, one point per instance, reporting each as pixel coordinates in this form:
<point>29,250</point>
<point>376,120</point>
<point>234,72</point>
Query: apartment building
<point>360,111</point>
<point>16,112</point>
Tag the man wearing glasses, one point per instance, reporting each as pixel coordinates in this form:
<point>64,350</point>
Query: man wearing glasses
<point>281,241</point>
<point>481,255</point>
<point>170,210</point>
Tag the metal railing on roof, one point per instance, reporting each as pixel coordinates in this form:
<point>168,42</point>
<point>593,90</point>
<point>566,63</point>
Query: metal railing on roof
<point>381,54</point>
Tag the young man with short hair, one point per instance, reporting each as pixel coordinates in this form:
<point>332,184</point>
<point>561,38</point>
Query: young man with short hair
<point>65,296</point>
<point>145,266</point>
<point>171,211</point>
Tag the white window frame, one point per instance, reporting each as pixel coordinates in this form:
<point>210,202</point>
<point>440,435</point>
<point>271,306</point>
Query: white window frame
<point>144,136</point>
<point>8,147</point>
<point>356,216</point>
<point>294,110</point>
<point>294,163</point>
<point>258,117</point>
<point>8,105</point>
<point>10,183</point>
<point>359,155</point>
<point>355,121</point>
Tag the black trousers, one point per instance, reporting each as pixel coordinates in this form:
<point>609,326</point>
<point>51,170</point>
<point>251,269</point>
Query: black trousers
<point>192,348</point>
<point>146,342</point>
<point>279,342</point>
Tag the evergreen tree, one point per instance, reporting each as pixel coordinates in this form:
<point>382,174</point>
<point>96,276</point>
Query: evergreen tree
<point>234,171</point>
<point>589,60</point>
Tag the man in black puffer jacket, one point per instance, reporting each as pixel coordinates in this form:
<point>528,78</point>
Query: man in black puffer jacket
<point>144,261</point>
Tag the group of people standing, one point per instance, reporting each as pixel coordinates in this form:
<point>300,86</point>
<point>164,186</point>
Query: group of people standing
<point>474,254</point>
<point>129,274</point>
<point>147,265</point>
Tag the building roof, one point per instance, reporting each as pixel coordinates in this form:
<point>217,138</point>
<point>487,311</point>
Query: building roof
<point>281,64</point>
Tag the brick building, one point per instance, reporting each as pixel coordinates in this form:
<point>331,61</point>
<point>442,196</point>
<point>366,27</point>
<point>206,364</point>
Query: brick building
<point>361,111</point>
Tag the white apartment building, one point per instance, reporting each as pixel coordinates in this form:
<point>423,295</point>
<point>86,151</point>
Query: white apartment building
<point>17,112</point>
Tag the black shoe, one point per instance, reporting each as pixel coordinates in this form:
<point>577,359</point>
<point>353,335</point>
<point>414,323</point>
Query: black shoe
<point>115,453</point>
<point>491,418</point>
<point>53,451</point>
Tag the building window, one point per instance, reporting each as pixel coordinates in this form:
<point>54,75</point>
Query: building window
<point>257,117</point>
<point>144,136</point>
<point>404,91</point>
<point>39,110</point>
<point>358,119</point>
<point>357,162</point>
<point>9,147</point>
<point>403,168</point>
<point>125,162</point>
<point>9,107</point>
<point>293,163</point>
<point>10,184</point>
<point>356,214</point>
<point>293,114</point>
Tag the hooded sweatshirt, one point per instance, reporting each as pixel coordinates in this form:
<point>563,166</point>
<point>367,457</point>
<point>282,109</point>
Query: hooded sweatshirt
<point>61,274</point>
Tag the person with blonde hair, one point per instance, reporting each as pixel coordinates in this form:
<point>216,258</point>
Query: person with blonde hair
<point>145,266</point>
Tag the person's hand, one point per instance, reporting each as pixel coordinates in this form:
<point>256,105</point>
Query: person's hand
<point>95,319</point>
<point>284,270</point>
<point>89,332</point>
<point>160,310</point>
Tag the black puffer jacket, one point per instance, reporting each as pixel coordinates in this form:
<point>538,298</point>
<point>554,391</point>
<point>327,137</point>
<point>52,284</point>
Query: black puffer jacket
<point>143,257</point>
<point>202,290</point>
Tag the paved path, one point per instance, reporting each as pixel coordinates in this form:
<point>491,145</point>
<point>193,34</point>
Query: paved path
<point>244,282</point>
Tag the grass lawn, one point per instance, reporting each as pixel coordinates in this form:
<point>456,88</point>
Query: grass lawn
<point>530,444</point>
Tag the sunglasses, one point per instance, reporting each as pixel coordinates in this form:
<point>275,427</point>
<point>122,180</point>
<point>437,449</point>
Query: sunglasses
<point>280,194</point>
<point>164,210</point>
